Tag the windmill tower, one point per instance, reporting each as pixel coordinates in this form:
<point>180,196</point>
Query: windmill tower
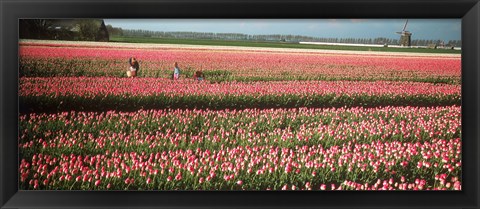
<point>405,36</point>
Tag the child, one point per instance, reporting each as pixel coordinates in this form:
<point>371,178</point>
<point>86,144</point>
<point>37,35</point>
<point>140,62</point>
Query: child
<point>134,66</point>
<point>198,76</point>
<point>176,72</point>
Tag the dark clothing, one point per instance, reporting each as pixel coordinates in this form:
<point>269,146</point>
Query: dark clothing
<point>135,65</point>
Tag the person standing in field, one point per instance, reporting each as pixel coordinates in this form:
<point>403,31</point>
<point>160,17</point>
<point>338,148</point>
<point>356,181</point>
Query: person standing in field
<point>176,72</point>
<point>133,68</point>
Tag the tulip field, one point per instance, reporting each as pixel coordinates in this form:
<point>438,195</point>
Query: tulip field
<point>262,119</point>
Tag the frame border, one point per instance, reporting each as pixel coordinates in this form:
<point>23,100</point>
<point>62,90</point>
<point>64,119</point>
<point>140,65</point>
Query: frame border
<point>11,11</point>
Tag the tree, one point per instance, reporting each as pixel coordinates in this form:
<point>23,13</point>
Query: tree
<point>35,28</point>
<point>114,31</point>
<point>88,30</point>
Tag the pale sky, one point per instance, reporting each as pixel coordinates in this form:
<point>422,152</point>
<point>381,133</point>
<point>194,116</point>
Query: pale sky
<point>442,29</point>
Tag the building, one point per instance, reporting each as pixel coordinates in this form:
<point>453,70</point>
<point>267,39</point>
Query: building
<point>80,29</point>
<point>64,29</point>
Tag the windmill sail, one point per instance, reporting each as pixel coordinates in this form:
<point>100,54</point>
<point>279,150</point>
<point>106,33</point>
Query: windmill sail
<point>405,26</point>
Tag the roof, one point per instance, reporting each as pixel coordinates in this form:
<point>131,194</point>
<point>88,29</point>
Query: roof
<point>71,24</point>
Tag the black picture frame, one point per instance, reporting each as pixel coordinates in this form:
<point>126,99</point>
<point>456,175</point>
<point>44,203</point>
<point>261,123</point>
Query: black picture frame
<point>467,10</point>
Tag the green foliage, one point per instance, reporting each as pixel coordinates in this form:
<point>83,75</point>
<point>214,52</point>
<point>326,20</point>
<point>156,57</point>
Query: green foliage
<point>49,103</point>
<point>35,28</point>
<point>88,29</point>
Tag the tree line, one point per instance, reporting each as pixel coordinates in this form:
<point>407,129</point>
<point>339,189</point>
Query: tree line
<point>271,37</point>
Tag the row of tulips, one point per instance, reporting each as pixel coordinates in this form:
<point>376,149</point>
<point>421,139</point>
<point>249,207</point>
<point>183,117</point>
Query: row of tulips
<point>388,148</point>
<point>99,94</point>
<point>54,67</point>
<point>243,65</point>
<point>87,86</point>
<point>229,128</point>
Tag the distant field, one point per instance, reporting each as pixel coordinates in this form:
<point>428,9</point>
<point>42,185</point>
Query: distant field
<point>273,45</point>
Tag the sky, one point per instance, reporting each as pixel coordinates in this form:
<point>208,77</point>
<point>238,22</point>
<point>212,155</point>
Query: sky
<point>434,29</point>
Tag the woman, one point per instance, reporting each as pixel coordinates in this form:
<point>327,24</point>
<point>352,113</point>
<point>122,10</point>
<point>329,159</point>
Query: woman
<point>176,72</point>
<point>134,67</point>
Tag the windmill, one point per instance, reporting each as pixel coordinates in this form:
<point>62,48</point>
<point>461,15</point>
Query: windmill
<point>405,36</point>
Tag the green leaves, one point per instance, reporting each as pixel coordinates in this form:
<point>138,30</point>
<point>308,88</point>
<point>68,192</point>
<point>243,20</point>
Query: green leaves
<point>45,103</point>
